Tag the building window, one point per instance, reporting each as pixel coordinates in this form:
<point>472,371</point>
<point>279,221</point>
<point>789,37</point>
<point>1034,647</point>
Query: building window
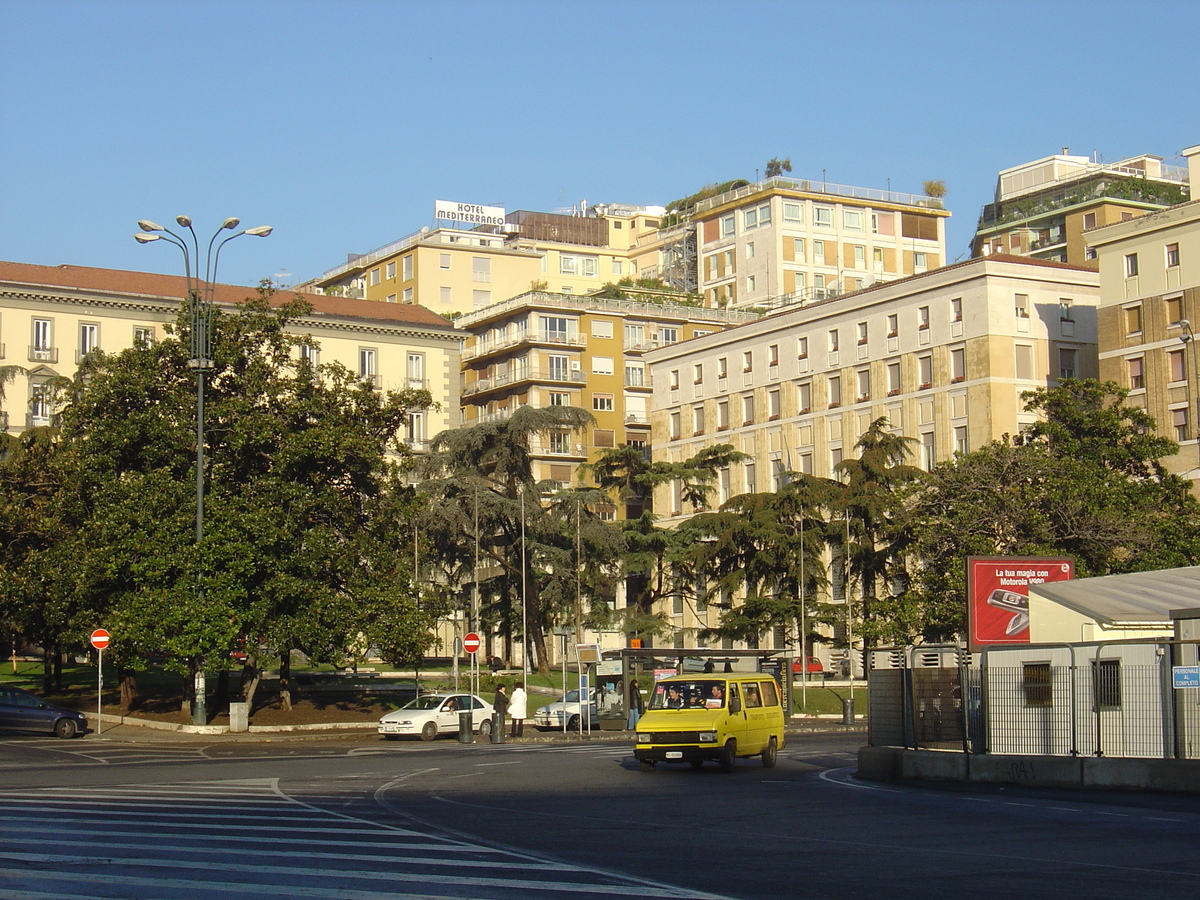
<point>823,216</point>
<point>793,212</point>
<point>723,367</point>
<point>1176,366</point>
<point>1179,421</point>
<point>143,335</point>
<point>835,391</point>
<point>928,453</point>
<point>1106,684</point>
<point>893,325</point>
<point>391,298</point>
<point>862,332</point>
<point>674,382</point>
<point>1136,379</point>
<point>803,397</point>
<point>635,374</point>
<point>667,335</point>
<point>444,260</point>
<point>958,364</point>
<point>1068,360</point>
<point>309,354</point>
<point>922,317</point>
<point>1024,361</point>
<point>748,361</point>
<point>960,439</point>
<point>864,385</point>
<point>446,295</point>
<point>748,409</point>
<point>635,337</point>
<point>750,284</point>
<point>956,309</point>
<point>1089,220</point>
<point>723,415</point>
<point>1131,265</point>
<point>602,328</point>
<point>819,255</point>
<point>751,481</point>
<point>750,250</point>
<point>41,405</point>
<point>1037,684</point>
<point>674,422</point>
<point>925,371</point>
<point>391,269</point>
<point>773,355</point>
<point>602,365</point>
<point>374,277</point>
<point>42,348</point>
<point>558,367</point>
<point>559,398</point>
<point>1174,307</point>
<point>602,402</point>
<point>89,338</point>
<point>1172,255</point>
<point>852,220</point>
<point>727,226</point>
<point>860,256</point>
<point>406,264</point>
<point>833,340</point>
<point>414,432</point>
<point>480,299</point>
<point>919,262</point>
<point>893,373</point>
<point>773,404</point>
<point>1021,305</point>
<point>618,267</point>
<point>415,370</point>
<point>698,373</point>
<point>1065,312</point>
<point>697,420</point>
<point>367,364</point>
<point>560,442</point>
<point>1133,320</point>
<point>802,348</point>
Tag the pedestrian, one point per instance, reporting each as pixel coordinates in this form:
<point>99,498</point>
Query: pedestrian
<point>637,705</point>
<point>516,708</point>
<point>500,705</point>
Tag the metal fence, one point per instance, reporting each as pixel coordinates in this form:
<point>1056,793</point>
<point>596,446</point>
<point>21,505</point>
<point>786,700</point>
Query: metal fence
<point>1116,700</point>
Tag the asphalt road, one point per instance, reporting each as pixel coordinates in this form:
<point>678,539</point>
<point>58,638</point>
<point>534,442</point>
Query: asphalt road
<point>356,817</point>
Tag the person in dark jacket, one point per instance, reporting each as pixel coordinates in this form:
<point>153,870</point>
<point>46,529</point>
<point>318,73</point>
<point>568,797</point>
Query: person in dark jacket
<point>500,704</point>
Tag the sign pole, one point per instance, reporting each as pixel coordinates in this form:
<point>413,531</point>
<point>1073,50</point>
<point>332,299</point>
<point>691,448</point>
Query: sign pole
<point>99,688</point>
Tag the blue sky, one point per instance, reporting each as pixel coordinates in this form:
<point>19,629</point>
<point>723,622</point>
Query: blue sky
<point>340,123</point>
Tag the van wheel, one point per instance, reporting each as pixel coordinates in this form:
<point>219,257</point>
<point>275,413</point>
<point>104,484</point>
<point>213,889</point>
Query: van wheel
<point>728,754</point>
<point>770,754</point>
<point>696,763</point>
<point>647,765</point>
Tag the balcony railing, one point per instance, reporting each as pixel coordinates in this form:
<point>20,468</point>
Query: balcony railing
<point>503,379</point>
<point>536,299</point>
<point>43,354</point>
<point>818,187</point>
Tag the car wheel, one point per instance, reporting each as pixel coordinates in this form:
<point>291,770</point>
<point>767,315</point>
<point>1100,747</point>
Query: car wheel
<point>573,723</point>
<point>728,754</point>
<point>485,728</point>
<point>66,728</point>
<point>770,754</point>
<point>429,731</point>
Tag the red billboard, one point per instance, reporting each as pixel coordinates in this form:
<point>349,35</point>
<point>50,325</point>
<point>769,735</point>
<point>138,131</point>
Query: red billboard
<point>998,595</point>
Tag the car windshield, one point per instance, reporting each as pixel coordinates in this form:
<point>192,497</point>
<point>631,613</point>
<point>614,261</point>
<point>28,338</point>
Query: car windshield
<point>572,697</point>
<point>698,694</point>
<point>429,701</point>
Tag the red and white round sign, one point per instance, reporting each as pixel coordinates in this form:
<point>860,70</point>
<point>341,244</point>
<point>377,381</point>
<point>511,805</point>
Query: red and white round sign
<point>100,638</point>
<point>471,642</point>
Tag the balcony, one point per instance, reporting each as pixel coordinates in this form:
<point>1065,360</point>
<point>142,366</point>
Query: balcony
<point>637,418</point>
<point>507,379</point>
<point>43,354</point>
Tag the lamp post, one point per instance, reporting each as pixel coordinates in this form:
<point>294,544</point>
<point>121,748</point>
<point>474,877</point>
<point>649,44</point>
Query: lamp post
<point>200,312</point>
<point>1189,338</point>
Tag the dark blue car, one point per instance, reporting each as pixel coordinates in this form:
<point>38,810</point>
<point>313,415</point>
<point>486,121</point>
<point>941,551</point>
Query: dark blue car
<point>29,712</point>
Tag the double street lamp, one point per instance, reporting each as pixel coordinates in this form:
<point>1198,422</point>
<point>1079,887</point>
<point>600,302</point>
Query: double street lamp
<point>200,317</point>
<point>1189,337</point>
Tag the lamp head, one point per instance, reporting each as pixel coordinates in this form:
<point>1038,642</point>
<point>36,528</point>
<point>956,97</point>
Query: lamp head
<point>147,225</point>
<point>143,238</point>
<point>1187,330</point>
<point>231,223</point>
<point>184,221</point>
<point>260,230</point>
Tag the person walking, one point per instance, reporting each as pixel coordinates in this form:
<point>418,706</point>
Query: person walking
<point>517,708</point>
<point>637,705</point>
<point>500,705</point>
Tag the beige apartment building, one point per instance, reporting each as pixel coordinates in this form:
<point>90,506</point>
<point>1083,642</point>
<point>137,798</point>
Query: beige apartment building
<point>52,316</point>
<point>1042,208</point>
<point>943,355</point>
<point>554,349</point>
<point>1149,314</point>
<point>783,241</point>
<point>453,271</point>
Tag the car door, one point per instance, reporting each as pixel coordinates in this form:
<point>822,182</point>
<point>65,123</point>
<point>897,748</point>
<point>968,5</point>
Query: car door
<point>447,714</point>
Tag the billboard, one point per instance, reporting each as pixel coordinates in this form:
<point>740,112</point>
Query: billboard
<point>998,595</point>
<point>471,213</point>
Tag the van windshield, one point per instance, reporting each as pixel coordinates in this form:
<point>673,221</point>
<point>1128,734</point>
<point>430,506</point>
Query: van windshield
<point>698,694</point>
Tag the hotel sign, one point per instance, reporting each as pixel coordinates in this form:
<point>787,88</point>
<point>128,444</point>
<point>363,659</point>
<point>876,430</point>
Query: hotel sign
<point>472,213</point>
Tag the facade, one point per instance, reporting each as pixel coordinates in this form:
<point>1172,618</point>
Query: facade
<point>553,349</point>
<point>1042,208</point>
<point>51,316</point>
<point>454,271</point>
<point>1149,308</point>
<point>782,241</point>
<point>944,356</point>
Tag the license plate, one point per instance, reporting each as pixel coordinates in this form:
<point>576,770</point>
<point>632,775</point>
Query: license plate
<point>674,754</point>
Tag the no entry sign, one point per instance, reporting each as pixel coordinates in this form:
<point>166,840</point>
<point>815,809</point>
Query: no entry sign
<point>100,639</point>
<point>471,642</point>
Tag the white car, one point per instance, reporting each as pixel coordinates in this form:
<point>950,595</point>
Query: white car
<point>433,714</point>
<point>551,715</point>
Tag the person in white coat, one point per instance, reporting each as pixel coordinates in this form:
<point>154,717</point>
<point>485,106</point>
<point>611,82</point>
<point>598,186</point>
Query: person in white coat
<point>517,709</point>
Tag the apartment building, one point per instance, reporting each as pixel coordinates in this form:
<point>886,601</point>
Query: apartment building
<point>559,349</point>
<point>783,241</point>
<point>1148,317</point>
<point>1042,208</point>
<point>944,355</point>
<point>453,271</point>
<point>52,316</point>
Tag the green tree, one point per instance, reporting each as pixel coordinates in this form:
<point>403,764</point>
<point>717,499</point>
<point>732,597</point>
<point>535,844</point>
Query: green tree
<point>776,166</point>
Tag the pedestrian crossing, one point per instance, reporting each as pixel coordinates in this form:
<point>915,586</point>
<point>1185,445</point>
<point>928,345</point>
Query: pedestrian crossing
<point>220,839</point>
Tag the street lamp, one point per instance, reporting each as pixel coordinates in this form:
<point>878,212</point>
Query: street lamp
<point>200,312</point>
<point>1189,337</point>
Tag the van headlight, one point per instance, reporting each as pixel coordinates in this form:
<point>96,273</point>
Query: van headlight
<point>708,737</point>
<point>644,738</point>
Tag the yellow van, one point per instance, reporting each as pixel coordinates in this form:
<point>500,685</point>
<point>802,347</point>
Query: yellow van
<point>691,718</point>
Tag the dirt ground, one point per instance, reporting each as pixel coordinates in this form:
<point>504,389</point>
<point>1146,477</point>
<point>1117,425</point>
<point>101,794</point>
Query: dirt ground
<point>307,709</point>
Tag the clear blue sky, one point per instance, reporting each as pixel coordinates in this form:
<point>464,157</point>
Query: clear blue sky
<point>340,123</point>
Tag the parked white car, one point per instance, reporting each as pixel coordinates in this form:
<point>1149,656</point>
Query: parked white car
<point>433,714</point>
<point>551,715</point>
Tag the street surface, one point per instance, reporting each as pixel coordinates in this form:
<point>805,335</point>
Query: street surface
<point>357,817</point>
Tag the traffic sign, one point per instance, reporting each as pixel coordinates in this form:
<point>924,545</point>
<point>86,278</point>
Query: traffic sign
<point>471,643</point>
<point>1185,676</point>
<point>100,639</point>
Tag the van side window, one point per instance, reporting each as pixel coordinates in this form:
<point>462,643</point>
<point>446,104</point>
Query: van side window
<point>733,693</point>
<point>770,694</point>
<point>753,700</point>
